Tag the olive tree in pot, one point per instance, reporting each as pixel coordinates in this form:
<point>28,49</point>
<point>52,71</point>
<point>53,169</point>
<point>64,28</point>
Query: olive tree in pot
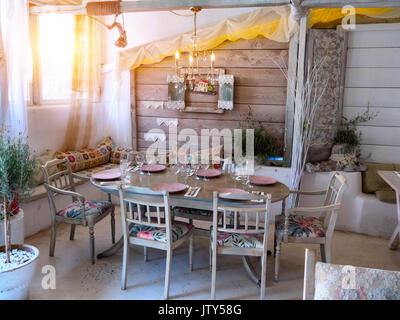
<point>17,262</point>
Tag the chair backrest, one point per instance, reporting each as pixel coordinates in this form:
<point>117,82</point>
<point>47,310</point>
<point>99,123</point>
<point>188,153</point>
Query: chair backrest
<point>57,173</point>
<point>146,201</point>
<point>334,194</point>
<point>325,281</point>
<point>246,218</point>
<point>335,189</point>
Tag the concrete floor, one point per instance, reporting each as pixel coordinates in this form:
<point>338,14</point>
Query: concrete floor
<point>77,278</point>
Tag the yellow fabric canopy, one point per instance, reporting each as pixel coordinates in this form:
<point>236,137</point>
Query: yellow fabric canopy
<point>274,23</point>
<point>330,15</point>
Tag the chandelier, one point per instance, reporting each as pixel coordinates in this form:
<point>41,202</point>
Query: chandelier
<point>193,74</point>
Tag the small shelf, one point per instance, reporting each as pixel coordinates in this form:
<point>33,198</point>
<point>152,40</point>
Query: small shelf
<point>203,110</point>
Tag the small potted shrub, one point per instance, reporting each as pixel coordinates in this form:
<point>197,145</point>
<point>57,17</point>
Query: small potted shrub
<point>268,150</point>
<point>346,149</point>
<point>17,261</point>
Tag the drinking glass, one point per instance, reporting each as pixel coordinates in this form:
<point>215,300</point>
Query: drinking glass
<point>205,167</point>
<point>123,166</point>
<point>140,161</point>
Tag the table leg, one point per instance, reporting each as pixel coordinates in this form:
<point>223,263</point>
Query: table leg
<point>251,271</point>
<point>395,238</point>
<point>254,276</point>
<point>113,250</point>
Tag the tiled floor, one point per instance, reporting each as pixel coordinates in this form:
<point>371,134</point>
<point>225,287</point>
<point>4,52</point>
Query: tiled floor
<point>77,278</point>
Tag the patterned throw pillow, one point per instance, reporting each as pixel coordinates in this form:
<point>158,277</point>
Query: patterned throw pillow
<point>42,159</point>
<point>87,157</point>
<point>119,153</point>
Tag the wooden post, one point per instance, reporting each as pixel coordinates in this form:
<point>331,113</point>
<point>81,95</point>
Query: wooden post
<point>133,110</point>
<point>290,98</point>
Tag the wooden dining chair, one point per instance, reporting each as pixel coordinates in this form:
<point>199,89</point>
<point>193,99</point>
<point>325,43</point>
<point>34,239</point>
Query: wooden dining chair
<point>243,235</point>
<point>311,224</point>
<point>59,180</point>
<point>325,281</point>
<point>155,232</point>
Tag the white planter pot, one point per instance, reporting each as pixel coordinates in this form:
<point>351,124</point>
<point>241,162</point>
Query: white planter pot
<point>17,229</point>
<point>14,284</point>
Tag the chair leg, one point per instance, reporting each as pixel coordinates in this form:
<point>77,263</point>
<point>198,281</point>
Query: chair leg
<point>125,258</point>
<point>72,232</point>
<point>328,253</point>
<point>323,256</point>
<point>191,247</point>
<point>210,254</point>
<point>274,245</point>
<point>277,256</point>
<point>167,273</point>
<point>145,254</point>
<point>91,240</point>
<point>214,273</point>
<point>263,275</point>
<point>113,225</point>
<point>53,238</point>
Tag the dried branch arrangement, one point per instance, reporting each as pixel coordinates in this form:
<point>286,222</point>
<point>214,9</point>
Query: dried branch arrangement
<point>303,131</point>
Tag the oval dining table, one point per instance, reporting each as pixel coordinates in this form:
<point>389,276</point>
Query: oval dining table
<point>203,200</point>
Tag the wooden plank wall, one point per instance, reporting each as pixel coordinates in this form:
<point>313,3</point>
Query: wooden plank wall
<point>259,83</point>
<point>373,79</point>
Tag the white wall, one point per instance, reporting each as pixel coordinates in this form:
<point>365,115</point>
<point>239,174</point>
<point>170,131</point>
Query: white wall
<point>373,78</point>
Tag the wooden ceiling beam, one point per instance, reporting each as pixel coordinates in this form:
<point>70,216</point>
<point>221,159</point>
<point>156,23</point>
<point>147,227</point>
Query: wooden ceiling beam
<point>166,5</point>
<point>163,5</point>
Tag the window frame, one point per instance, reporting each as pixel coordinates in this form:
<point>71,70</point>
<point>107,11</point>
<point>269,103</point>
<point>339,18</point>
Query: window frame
<point>35,86</point>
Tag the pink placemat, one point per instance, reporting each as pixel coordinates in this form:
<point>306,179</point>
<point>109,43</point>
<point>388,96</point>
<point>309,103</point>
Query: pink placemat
<point>232,190</point>
<point>106,175</point>
<point>209,173</point>
<point>262,180</point>
<point>171,187</point>
<point>153,167</point>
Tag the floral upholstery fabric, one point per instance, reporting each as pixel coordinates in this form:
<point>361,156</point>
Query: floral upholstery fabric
<point>87,157</point>
<point>338,282</point>
<point>185,211</point>
<point>227,239</point>
<point>179,229</point>
<point>118,152</point>
<point>300,226</point>
<point>92,208</point>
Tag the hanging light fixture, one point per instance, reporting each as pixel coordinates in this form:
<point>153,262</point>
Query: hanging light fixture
<point>195,55</point>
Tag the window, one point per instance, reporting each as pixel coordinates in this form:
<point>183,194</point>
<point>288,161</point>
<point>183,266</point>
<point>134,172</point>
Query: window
<point>53,49</point>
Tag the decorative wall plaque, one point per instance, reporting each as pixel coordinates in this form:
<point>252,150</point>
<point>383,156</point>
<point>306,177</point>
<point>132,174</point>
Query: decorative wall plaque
<point>225,94</point>
<point>176,92</point>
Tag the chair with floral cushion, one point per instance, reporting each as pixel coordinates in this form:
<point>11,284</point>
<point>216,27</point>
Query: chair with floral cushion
<point>325,281</point>
<point>152,227</point>
<point>311,224</point>
<point>81,211</point>
<point>243,235</point>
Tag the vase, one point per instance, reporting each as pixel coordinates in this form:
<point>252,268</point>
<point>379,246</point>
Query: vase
<point>14,283</point>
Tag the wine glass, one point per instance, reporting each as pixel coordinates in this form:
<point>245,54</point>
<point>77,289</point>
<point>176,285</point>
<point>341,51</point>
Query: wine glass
<point>205,167</point>
<point>139,161</point>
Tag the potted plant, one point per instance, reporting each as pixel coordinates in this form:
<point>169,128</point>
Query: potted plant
<point>17,262</point>
<point>268,150</point>
<point>346,149</point>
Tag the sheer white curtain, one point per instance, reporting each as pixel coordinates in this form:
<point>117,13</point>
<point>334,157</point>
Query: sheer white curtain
<point>17,59</point>
<point>116,116</point>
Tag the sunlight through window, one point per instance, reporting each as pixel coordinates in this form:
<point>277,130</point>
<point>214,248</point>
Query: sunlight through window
<point>56,47</point>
